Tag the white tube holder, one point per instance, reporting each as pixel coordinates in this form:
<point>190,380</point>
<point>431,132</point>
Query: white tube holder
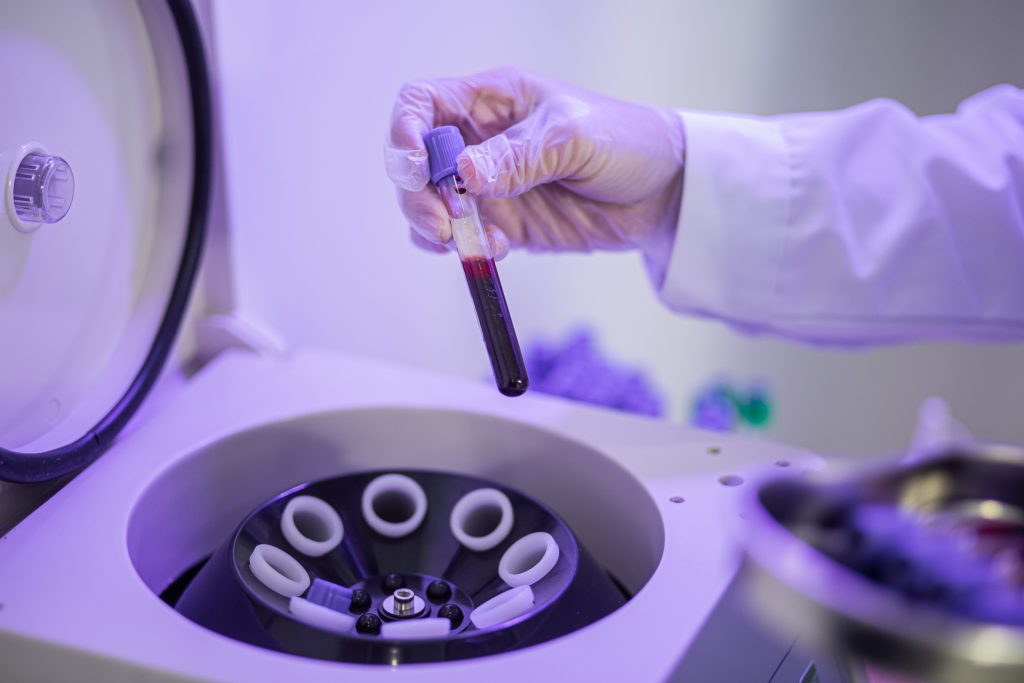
<point>503,607</point>
<point>416,629</point>
<point>473,518</point>
<point>311,526</point>
<point>529,559</point>
<point>401,492</point>
<point>278,571</point>
<point>320,617</point>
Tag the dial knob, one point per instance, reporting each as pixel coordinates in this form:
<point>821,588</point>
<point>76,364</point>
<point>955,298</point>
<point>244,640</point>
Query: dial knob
<point>43,189</point>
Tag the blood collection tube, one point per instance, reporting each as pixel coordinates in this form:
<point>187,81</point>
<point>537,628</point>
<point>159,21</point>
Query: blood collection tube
<point>443,146</point>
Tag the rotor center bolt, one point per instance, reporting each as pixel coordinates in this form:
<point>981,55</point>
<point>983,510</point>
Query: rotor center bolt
<point>402,604</point>
<point>404,601</point>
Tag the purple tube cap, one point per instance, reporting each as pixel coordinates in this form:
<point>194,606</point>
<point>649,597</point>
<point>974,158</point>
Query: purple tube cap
<point>443,146</point>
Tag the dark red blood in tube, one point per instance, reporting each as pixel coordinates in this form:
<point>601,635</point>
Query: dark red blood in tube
<point>496,325</point>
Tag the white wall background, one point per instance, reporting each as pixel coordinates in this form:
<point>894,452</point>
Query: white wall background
<point>322,252</point>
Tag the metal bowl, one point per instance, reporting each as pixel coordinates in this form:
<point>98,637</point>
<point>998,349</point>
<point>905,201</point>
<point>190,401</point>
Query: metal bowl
<point>918,567</point>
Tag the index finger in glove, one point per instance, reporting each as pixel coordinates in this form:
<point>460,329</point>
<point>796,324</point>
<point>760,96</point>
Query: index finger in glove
<point>480,105</point>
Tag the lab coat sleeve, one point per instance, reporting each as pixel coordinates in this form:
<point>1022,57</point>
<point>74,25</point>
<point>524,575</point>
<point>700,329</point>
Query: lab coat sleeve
<point>863,226</point>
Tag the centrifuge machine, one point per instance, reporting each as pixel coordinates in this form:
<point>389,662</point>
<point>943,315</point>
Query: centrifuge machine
<point>243,513</point>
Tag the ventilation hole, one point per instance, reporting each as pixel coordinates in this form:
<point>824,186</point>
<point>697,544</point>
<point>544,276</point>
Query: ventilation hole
<point>730,480</point>
<point>782,463</point>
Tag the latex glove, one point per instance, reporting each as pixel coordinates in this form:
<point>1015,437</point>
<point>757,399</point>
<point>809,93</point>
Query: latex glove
<point>557,167</point>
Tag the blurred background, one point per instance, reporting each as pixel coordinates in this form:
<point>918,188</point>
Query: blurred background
<point>308,86</point>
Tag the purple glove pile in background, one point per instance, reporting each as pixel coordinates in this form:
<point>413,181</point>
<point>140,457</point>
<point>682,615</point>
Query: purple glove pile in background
<point>576,369</point>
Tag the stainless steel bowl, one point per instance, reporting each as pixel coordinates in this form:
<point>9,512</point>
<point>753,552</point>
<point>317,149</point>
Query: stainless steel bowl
<point>931,588</point>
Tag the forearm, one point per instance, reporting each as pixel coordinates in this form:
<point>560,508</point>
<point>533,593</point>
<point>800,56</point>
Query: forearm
<point>863,226</point>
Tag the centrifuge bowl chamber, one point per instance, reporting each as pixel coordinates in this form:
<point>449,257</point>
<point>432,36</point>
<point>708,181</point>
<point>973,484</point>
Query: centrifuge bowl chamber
<point>229,500</point>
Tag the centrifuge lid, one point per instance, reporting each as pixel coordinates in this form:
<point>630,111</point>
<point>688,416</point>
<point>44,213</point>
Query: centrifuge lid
<point>90,305</point>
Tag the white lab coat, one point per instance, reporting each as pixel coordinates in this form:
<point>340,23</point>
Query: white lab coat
<point>868,225</point>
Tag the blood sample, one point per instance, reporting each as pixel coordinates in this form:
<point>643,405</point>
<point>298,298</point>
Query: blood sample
<point>443,146</point>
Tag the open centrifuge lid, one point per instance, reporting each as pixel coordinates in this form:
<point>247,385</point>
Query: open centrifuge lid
<point>90,305</point>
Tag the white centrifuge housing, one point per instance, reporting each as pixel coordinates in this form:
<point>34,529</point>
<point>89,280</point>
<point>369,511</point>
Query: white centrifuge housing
<point>108,148</point>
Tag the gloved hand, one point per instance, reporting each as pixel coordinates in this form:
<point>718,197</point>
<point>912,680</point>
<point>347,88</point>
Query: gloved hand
<point>556,167</point>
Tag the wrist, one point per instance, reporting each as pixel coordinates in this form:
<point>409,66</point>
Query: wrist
<point>656,245</point>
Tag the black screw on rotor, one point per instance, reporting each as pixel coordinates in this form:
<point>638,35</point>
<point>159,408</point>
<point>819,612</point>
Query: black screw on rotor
<point>392,582</point>
<point>368,624</point>
<point>452,613</point>
<point>361,601</point>
<point>438,592</point>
